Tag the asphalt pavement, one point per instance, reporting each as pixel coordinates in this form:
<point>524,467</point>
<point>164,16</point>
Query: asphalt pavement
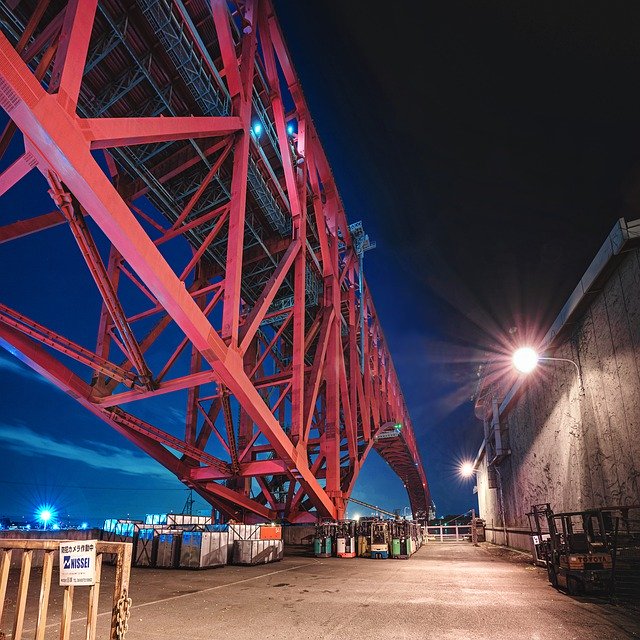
<point>445,591</point>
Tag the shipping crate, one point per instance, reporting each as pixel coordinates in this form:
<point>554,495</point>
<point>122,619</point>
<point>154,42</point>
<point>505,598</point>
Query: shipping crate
<point>168,554</point>
<point>183,519</point>
<point>241,532</point>
<point>156,518</point>
<point>257,551</point>
<point>120,531</point>
<point>201,549</point>
<point>146,547</point>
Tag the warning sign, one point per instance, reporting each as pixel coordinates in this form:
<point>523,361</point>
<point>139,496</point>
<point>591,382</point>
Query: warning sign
<point>78,563</point>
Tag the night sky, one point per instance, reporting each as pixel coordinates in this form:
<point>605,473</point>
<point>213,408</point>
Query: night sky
<point>488,149</point>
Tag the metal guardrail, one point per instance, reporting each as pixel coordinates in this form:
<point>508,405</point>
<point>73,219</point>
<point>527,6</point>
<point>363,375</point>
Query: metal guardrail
<point>449,533</point>
<point>121,601</point>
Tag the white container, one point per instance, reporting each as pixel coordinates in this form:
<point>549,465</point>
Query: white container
<point>146,547</point>
<point>185,519</point>
<point>201,549</point>
<point>168,555</point>
<point>257,551</point>
<point>241,532</point>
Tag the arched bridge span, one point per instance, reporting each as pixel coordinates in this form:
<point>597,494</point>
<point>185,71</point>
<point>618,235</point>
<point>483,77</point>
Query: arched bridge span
<point>181,157</point>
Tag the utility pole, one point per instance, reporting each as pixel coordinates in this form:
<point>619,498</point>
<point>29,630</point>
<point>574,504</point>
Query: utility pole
<point>188,505</point>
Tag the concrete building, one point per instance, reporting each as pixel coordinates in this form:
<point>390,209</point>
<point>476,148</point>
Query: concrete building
<point>569,432</point>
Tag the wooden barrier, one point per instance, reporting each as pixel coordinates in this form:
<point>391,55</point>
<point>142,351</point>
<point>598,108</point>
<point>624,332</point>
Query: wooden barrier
<point>51,548</point>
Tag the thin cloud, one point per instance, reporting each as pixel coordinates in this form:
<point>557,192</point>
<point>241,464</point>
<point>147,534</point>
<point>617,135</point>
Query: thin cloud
<point>14,366</point>
<point>96,455</point>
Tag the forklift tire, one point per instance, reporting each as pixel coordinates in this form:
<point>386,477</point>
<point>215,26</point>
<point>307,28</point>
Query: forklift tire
<point>553,576</point>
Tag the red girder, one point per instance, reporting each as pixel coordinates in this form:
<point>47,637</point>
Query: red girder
<point>290,405</point>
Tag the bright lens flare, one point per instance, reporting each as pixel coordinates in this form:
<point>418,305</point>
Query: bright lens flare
<point>525,360</point>
<point>466,469</point>
<point>44,515</point>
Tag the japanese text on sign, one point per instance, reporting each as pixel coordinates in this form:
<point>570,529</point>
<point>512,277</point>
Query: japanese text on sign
<point>78,562</point>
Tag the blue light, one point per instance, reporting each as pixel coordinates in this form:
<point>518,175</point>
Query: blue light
<point>84,525</point>
<point>44,514</point>
<point>290,129</point>
<point>56,526</point>
<point>257,128</point>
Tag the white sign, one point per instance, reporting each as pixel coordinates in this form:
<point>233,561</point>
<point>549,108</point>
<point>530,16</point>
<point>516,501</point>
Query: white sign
<point>78,563</point>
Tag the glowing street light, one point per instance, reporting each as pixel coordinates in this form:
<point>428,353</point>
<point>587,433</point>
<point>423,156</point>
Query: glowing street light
<point>526,359</point>
<point>466,469</point>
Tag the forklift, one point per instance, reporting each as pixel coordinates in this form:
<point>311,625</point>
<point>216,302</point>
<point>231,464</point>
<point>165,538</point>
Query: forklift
<point>346,539</point>
<point>380,539</point>
<point>577,548</point>
<point>363,531</point>
<point>323,543</point>
<point>401,540</point>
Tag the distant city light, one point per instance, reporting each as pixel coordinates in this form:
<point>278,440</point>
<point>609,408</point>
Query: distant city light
<point>356,516</point>
<point>290,129</point>
<point>44,515</point>
<point>257,128</point>
<point>525,360</point>
<point>466,469</point>
<point>55,526</point>
<point>84,525</point>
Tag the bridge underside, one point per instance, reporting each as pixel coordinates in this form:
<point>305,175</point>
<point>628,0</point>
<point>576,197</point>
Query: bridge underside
<point>180,155</point>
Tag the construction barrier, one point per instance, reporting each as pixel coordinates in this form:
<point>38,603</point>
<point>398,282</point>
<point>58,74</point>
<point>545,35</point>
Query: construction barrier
<point>51,550</point>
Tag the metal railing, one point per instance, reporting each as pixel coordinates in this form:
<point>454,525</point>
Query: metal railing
<point>50,548</point>
<point>449,533</point>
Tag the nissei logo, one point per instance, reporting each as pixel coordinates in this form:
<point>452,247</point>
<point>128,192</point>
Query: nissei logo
<point>75,563</point>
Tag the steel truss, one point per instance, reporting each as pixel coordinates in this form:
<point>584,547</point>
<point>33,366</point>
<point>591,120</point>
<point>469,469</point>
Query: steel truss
<point>284,395</point>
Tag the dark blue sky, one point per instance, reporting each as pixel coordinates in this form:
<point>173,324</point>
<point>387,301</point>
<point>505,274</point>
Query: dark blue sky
<point>488,149</point>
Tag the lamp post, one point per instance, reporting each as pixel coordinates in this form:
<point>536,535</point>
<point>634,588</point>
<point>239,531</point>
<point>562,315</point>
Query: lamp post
<point>526,359</point>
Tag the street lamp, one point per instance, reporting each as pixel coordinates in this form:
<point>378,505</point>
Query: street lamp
<point>526,359</point>
<point>466,469</point>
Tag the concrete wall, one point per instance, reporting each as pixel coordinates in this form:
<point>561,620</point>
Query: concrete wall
<point>577,450</point>
<point>298,534</point>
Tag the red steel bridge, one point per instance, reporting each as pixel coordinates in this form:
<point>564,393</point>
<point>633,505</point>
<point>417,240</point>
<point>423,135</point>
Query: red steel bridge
<point>180,155</point>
